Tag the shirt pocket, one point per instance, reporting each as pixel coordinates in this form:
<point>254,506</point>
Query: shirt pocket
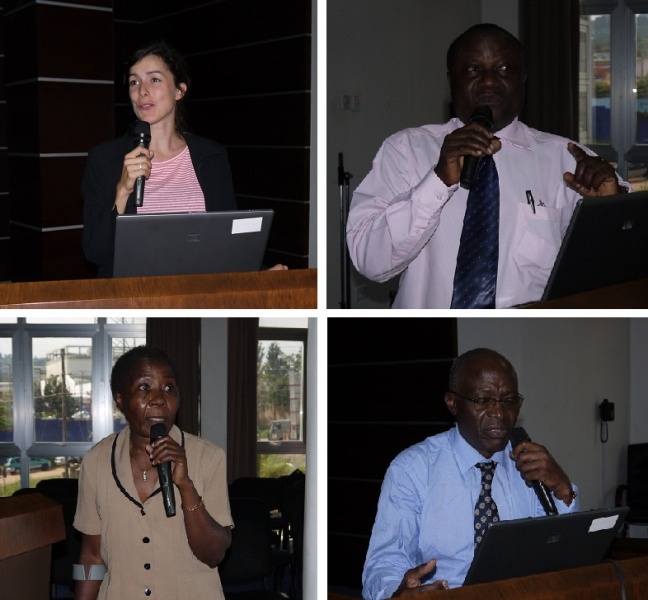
<point>539,235</point>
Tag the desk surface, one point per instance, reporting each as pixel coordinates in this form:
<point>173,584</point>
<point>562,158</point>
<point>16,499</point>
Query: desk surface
<point>264,289</point>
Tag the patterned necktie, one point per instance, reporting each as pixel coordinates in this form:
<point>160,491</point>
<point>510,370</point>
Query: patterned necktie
<point>485,510</point>
<point>476,272</point>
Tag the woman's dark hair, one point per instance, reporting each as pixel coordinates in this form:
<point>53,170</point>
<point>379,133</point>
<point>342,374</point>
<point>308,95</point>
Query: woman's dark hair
<point>128,360</point>
<point>175,62</point>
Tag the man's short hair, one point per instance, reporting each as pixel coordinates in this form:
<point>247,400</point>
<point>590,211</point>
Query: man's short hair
<point>481,28</point>
<point>127,361</point>
<point>457,368</point>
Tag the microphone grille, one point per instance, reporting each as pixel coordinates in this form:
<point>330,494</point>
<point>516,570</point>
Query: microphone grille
<point>483,114</point>
<point>142,128</point>
<point>519,434</point>
<point>158,430</point>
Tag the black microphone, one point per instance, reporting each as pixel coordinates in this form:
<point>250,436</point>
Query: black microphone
<point>484,116</point>
<point>142,137</point>
<point>518,435</point>
<point>158,431</point>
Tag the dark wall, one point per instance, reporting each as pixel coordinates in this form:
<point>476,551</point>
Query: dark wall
<point>59,102</point>
<point>4,184</point>
<point>386,381</point>
<point>250,66</point>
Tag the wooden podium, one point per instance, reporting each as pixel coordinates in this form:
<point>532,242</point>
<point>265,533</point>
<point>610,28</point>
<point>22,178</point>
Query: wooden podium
<point>259,289</point>
<point>29,525</point>
<point>633,294</point>
<point>599,582</point>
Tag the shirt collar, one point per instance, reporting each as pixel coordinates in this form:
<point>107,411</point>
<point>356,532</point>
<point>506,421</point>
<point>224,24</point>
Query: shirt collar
<point>466,456</point>
<point>514,133</point>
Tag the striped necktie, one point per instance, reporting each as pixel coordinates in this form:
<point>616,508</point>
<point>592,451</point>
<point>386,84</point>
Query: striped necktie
<point>476,272</point>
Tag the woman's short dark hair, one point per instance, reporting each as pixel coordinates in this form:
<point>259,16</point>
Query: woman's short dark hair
<point>175,62</point>
<point>129,359</point>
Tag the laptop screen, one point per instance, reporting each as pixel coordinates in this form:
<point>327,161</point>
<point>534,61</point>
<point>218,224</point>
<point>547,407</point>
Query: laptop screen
<point>531,546</point>
<point>605,244</point>
<point>191,243</point>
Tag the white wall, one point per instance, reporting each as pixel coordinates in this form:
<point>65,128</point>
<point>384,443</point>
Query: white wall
<point>213,409</point>
<point>566,367</point>
<point>390,53</point>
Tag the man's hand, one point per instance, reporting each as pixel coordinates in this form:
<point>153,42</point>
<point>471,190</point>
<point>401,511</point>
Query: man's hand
<point>411,584</point>
<point>534,463</point>
<point>593,176</point>
<point>470,140</point>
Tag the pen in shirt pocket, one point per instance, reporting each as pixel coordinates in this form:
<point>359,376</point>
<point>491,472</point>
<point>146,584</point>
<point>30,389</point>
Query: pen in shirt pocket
<point>530,200</point>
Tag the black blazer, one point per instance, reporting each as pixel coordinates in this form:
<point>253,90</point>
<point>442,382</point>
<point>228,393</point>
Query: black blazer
<point>98,187</point>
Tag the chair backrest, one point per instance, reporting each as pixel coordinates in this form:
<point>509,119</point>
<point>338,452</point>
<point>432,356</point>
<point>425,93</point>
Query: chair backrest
<point>267,489</point>
<point>637,485</point>
<point>249,558</point>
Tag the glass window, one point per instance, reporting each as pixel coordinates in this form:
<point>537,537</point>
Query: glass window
<point>55,377</point>
<point>595,80</point>
<point>281,401</point>
<point>62,381</point>
<point>6,390</point>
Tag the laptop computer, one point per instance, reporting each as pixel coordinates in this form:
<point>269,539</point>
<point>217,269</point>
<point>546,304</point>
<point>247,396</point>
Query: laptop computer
<point>190,243</point>
<point>523,547</point>
<point>606,243</point>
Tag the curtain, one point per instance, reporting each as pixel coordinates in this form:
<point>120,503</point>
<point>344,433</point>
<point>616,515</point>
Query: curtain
<point>180,339</point>
<point>242,343</point>
<point>549,31</point>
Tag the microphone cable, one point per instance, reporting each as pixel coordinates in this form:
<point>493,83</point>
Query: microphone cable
<point>619,573</point>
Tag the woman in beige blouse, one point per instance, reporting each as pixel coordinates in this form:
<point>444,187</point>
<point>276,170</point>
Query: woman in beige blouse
<point>130,548</point>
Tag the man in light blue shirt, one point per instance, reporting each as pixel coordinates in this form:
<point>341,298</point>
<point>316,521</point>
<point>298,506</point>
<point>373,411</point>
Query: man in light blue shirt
<point>424,534</point>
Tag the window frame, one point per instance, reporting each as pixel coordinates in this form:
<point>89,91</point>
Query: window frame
<point>288,334</point>
<point>22,333</point>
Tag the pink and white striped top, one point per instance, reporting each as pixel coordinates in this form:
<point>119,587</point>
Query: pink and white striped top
<point>173,187</point>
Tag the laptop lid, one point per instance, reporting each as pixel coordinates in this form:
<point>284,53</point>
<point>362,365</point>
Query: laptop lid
<point>190,243</point>
<point>606,243</point>
<point>529,546</point>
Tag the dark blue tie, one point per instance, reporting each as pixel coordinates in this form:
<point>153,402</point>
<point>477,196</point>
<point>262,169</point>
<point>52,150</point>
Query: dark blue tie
<point>476,273</point>
<point>486,512</point>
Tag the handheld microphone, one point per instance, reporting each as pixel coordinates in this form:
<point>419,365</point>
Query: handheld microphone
<point>484,116</point>
<point>158,431</point>
<point>142,137</point>
<point>518,435</point>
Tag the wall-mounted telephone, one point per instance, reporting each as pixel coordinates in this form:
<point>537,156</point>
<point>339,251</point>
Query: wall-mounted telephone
<point>606,409</point>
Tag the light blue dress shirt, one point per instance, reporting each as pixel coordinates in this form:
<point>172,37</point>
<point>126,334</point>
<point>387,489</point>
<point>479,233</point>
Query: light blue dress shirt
<point>426,508</point>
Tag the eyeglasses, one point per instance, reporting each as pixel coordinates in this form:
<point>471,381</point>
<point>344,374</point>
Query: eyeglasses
<point>510,402</point>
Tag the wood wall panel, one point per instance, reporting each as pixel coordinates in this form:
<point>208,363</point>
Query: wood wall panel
<point>421,380</point>
<point>385,440</point>
<point>345,568</point>
<point>5,258</point>
<point>55,255</point>
<point>386,380</point>
<point>288,226</point>
<point>281,173</point>
<point>377,339</point>
<point>275,120</point>
<point>60,102</point>
<point>271,67</point>
<point>52,117</point>
<point>203,25</point>
<point>49,189</point>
